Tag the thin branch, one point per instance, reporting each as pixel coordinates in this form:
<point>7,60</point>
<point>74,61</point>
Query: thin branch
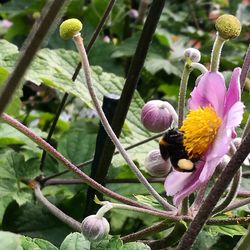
<point>56,211</point>
<point>65,96</point>
<point>215,194</point>
<point>56,181</point>
<point>91,160</point>
<point>231,194</point>
<point>156,228</point>
<point>55,154</point>
<point>237,204</point>
<point>245,68</point>
<point>29,49</point>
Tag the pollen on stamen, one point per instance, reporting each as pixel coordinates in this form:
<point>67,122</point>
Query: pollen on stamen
<point>200,129</point>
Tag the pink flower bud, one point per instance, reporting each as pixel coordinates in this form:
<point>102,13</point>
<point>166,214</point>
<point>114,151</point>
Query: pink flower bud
<point>106,39</point>
<point>133,13</point>
<point>95,228</point>
<point>155,165</point>
<point>155,116</point>
<point>193,54</point>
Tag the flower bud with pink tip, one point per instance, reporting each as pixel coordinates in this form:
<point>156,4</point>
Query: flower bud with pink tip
<point>156,116</point>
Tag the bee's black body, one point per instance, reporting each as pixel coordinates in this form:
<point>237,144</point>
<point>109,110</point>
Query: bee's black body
<point>171,146</point>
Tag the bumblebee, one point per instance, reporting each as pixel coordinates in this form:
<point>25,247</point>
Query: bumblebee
<point>171,147</point>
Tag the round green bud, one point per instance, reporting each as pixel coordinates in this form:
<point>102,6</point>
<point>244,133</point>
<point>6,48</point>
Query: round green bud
<point>228,26</point>
<point>69,28</point>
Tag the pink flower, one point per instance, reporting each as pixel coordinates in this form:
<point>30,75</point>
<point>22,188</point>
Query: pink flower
<point>212,98</point>
<point>6,23</point>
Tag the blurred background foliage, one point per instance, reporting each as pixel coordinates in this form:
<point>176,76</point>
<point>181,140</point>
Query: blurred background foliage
<point>182,24</point>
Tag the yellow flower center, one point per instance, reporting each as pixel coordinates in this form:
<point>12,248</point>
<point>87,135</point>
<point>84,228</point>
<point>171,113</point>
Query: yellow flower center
<point>199,129</point>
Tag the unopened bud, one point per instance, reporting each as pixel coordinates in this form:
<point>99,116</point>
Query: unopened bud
<point>95,228</point>
<point>155,116</point>
<point>193,54</point>
<point>69,28</point>
<point>228,26</point>
<point>155,165</point>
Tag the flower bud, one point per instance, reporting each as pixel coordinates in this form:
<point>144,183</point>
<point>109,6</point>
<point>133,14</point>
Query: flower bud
<point>155,116</point>
<point>133,13</point>
<point>193,54</point>
<point>155,165</point>
<point>69,28</point>
<point>95,228</point>
<point>228,26</point>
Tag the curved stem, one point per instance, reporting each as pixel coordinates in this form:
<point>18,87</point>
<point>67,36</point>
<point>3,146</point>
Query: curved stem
<point>156,228</point>
<point>182,93</point>
<point>55,154</point>
<point>65,96</point>
<point>231,194</point>
<point>246,128</point>
<point>237,204</point>
<point>56,211</point>
<point>159,214</point>
<point>216,52</point>
<point>85,64</point>
<point>200,67</point>
<point>199,198</point>
<point>245,68</point>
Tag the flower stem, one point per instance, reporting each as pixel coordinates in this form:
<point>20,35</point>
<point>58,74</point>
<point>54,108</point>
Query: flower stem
<point>55,154</point>
<point>245,68</point>
<point>237,204</point>
<point>56,211</point>
<point>77,70</point>
<point>156,228</point>
<point>104,209</point>
<point>231,194</point>
<point>200,67</point>
<point>182,93</point>
<point>168,215</point>
<point>86,68</point>
<point>199,198</point>
<point>216,52</point>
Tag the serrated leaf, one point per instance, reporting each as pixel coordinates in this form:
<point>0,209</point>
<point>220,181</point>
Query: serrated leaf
<point>230,230</point>
<point>147,200</point>
<point>111,243</point>
<point>78,143</point>
<point>55,68</point>
<point>75,241</point>
<point>36,244</point>
<point>10,241</point>
<point>135,246</point>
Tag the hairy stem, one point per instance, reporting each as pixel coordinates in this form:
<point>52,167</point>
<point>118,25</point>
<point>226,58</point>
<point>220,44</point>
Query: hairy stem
<point>182,93</point>
<point>156,228</point>
<point>65,96</point>
<point>85,64</point>
<point>56,211</point>
<point>237,204</point>
<point>245,68</point>
<point>216,52</point>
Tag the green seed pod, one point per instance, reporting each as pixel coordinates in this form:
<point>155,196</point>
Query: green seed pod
<point>69,28</point>
<point>228,26</point>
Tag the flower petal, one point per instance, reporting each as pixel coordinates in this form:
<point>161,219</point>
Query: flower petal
<point>175,182</point>
<point>180,185</point>
<point>235,115</point>
<point>211,90</point>
<point>234,90</point>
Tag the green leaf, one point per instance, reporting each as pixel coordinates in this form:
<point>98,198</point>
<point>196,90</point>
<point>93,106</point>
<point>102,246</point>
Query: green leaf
<point>78,143</point>
<point>10,241</point>
<point>135,246</point>
<point>75,241</point>
<point>111,243</point>
<point>36,244</point>
<point>230,230</point>
<point>147,200</point>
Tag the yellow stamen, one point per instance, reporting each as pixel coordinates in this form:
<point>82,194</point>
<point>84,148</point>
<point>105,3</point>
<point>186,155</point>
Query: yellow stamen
<point>200,129</point>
